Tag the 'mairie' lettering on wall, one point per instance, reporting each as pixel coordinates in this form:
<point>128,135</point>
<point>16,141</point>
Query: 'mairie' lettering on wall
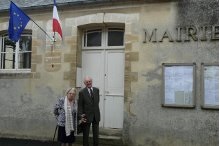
<point>184,34</point>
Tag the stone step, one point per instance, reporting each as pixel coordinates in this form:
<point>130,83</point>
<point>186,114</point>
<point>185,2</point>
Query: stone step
<point>104,140</point>
<point>110,132</point>
<point>107,137</point>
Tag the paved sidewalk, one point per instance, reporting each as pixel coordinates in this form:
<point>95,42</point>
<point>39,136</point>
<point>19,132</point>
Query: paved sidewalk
<point>22,142</point>
<point>106,138</point>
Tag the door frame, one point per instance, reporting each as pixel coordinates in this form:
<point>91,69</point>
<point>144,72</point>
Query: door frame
<point>104,47</point>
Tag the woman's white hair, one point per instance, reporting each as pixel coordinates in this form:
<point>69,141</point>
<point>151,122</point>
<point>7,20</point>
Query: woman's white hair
<point>70,89</point>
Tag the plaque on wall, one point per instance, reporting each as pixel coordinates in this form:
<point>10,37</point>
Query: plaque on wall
<point>210,86</point>
<point>178,85</point>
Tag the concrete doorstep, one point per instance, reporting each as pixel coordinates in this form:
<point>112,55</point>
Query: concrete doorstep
<point>104,140</point>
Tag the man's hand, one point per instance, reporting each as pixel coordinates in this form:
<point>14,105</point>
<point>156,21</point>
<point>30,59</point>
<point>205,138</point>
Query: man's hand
<point>83,118</point>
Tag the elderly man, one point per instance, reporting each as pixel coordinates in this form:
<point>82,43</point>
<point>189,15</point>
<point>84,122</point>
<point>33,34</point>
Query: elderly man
<point>88,109</point>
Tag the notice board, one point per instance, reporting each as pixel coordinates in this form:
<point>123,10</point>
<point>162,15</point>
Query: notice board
<point>210,86</point>
<point>178,85</point>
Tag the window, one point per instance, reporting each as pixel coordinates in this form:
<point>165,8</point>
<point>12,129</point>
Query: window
<point>15,56</point>
<point>110,37</point>
<point>93,38</point>
<point>115,37</point>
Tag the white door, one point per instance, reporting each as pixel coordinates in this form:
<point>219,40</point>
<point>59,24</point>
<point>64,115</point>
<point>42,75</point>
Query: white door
<point>106,67</point>
<point>114,89</point>
<point>92,65</point>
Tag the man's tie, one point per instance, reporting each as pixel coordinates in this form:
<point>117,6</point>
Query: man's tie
<point>91,94</point>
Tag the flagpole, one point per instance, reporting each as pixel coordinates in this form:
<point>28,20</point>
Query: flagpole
<point>32,20</point>
<point>52,50</point>
<point>53,40</point>
<point>42,29</point>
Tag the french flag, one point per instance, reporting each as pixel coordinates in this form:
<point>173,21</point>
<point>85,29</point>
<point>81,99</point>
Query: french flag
<point>56,21</point>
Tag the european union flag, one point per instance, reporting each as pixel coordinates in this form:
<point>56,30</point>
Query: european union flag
<point>17,22</point>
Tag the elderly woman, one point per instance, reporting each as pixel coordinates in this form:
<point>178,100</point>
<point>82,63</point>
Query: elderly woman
<point>65,111</point>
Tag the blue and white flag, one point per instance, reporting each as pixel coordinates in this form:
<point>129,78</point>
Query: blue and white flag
<point>17,22</point>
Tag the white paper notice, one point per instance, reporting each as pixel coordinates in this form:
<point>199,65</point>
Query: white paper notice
<point>211,85</point>
<point>178,84</point>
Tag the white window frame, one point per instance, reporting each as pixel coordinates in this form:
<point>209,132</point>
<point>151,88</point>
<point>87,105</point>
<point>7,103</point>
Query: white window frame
<point>113,47</point>
<point>16,69</point>
<point>93,47</point>
<point>104,39</point>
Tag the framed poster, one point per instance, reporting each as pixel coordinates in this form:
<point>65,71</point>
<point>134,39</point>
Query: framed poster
<point>210,86</point>
<point>178,85</point>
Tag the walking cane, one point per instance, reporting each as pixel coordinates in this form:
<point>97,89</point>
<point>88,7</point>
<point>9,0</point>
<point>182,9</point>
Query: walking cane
<point>54,135</point>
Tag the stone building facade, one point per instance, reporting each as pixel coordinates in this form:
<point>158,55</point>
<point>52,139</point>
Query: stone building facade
<point>155,32</point>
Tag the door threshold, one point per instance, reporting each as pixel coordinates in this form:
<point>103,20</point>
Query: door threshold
<point>110,131</point>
